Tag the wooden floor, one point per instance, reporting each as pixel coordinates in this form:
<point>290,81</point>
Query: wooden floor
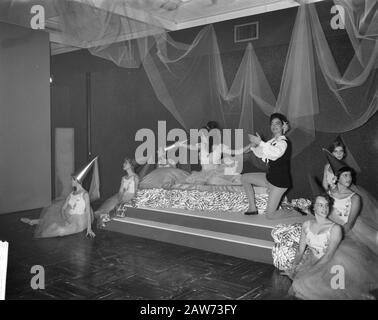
<point>117,266</point>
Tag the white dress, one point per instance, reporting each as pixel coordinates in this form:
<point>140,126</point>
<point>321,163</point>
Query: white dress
<point>214,171</point>
<point>330,176</point>
<point>318,242</point>
<point>357,261</point>
<point>54,221</point>
<point>127,191</point>
<point>341,210</point>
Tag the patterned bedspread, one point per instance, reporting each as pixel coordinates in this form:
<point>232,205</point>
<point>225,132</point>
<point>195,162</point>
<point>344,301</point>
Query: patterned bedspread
<point>201,198</point>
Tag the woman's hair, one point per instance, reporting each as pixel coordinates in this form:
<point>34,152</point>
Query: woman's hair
<point>326,196</point>
<point>279,116</point>
<point>74,178</point>
<point>131,161</point>
<point>212,125</point>
<point>335,144</point>
<point>346,169</point>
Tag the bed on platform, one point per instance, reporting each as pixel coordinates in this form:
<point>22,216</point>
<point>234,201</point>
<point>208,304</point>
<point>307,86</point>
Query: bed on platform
<point>204,198</point>
<point>204,217</point>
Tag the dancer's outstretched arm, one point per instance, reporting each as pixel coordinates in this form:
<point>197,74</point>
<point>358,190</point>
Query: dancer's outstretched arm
<point>234,152</point>
<point>188,146</point>
<point>299,254</point>
<point>65,203</point>
<point>64,208</point>
<point>302,244</point>
<point>326,183</point>
<point>354,211</point>
<point>90,233</point>
<point>271,151</point>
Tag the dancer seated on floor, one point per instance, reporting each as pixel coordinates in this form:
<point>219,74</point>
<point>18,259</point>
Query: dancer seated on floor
<point>363,224</point>
<point>214,171</point>
<point>330,256</point>
<point>338,151</point>
<point>356,212</point>
<point>345,210</point>
<point>70,215</point>
<point>347,203</point>
<point>276,152</point>
<point>355,209</point>
<point>126,192</point>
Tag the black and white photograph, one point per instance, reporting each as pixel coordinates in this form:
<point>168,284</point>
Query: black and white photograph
<point>189,156</point>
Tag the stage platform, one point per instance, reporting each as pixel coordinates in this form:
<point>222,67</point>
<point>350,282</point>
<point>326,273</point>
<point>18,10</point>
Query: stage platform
<point>229,233</point>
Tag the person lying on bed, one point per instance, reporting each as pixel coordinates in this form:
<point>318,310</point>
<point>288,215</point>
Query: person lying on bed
<point>215,171</point>
<point>164,175</point>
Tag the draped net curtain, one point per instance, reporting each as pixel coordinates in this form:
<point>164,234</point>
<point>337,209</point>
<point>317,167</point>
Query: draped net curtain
<point>188,79</point>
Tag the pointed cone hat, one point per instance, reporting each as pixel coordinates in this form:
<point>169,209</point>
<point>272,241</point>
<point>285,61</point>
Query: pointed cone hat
<point>94,190</point>
<point>316,185</point>
<point>340,140</point>
<point>349,159</point>
<point>80,174</point>
<point>335,163</point>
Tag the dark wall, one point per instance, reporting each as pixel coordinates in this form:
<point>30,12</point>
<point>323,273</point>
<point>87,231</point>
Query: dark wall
<point>25,146</point>
<point>123,101</point>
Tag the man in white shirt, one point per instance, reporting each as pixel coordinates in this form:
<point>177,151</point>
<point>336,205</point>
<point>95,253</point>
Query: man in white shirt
<point>276,154</point>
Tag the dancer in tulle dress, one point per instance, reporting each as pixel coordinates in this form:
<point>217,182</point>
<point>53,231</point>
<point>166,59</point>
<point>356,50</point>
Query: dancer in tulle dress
<point>337,149</point>
<point>337,158</point>
<point>215,170</point>
<point>70,215</point>
<point>126,192</point>
<point>347,203</point>
<point>334,268</point>
<point>356,210</point>
<point>365,225</point>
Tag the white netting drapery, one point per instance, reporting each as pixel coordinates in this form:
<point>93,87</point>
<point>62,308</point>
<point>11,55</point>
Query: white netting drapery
<point>189,79</point>
<point>354,92</point>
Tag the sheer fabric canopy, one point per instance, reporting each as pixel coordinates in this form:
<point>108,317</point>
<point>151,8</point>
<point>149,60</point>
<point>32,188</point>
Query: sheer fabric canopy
<point>189,79</point>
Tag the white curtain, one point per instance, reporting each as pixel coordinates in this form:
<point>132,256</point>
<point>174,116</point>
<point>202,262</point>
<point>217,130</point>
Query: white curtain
<point>189,80</point>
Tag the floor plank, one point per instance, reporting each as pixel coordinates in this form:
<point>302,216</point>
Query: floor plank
<point>117,266</point>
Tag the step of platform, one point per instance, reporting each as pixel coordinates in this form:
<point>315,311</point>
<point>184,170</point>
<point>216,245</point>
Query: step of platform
<point>224,222</point>
<point>229,233</point>
<point>219,242</point>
